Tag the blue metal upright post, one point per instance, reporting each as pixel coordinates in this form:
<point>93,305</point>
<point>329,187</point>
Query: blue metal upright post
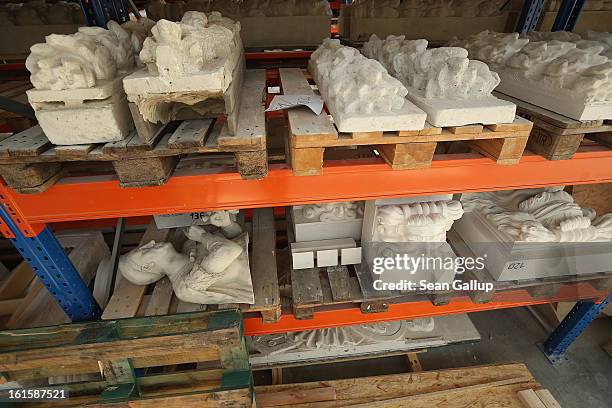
<point>576,321</point>
<point>567,16</point>
<point>530,15</point>
<point>99,12</point>
<point>53,267</point>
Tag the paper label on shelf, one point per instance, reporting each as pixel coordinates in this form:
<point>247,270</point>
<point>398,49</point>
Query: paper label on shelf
<point>279,102</point>
<point>180,220</point>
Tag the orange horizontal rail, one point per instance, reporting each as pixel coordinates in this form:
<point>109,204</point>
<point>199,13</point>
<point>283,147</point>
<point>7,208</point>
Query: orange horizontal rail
<point>80,198</point>
<point>344,316</point>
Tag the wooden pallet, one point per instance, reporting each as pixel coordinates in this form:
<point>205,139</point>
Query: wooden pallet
<point>208,349</point>
<point>129,300</point>
<point>30,163</point>
<point>310,135</point>
<point>558,137</point>
<point>483,386</point>
<point>539,287</point>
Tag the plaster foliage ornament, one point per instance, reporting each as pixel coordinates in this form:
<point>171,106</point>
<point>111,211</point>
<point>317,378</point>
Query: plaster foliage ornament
<point>187,63</point>
<point>224,219</point>
<point>570,78</point>
<point>359,92</point>
<point>535,233</point>
<point>347,210</point>
<point>451,88</point>
<point>83,71</point>
<point>211,269</point>
<point>417,222</point>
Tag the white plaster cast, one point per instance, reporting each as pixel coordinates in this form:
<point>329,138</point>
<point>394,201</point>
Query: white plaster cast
<point>570,78</point>
<point>544,230</point>
<point>211,269</point>
<point>359,92</point>
<point>347,210</point>
<point>83,71</point>
<point>186,62</point>
<point>418,222</point>
<point>451,88</point>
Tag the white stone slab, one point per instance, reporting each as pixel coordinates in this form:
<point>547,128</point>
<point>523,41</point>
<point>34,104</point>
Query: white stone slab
<point>445,112</point>
<point>302,260</point>
<point>410,117</point>
<point>73,97</point>
<point>561,101</point>
<point>310,246</point>
<point>327,257</point>
<point>90,122</point>
<point>350,256</point>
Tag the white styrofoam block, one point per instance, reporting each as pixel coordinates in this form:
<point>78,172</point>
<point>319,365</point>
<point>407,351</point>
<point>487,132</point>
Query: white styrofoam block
<point>350,256</point>
<point>310,246</point>
<point>327,257</point>
<point>92,122</point>
<point>562,101</point>
<point>302,260</point>
<point>445,112</point>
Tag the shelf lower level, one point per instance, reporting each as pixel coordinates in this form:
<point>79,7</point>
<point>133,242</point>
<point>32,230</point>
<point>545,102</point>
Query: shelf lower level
<point>332,317</point>
<point>95,197</point>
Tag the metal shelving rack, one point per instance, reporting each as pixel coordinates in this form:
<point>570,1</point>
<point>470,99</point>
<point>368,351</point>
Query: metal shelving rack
<point>100,197</point>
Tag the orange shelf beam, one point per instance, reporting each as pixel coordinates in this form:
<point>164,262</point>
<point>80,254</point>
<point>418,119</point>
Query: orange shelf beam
<point>344,316</point>
<point>83,198</point>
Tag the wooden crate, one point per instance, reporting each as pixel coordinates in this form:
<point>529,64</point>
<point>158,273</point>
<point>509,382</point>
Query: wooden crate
<point>24,300</point>
<point>123,360</point>
<point>481,386</point>
<point>310,135</point>
<point>558,137</point>
<point>129,300</point>
<point>538,288</point>
<point>30,163</point>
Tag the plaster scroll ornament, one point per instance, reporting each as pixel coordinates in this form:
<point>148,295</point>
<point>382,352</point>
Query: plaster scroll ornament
<point>224,219</point>
<point>337,338</point>
<point>85,59</point>
<point>198,42</point>
<point>573,78</point>
<point>360,93</point>
<point>545,215</point>
<point>334,211</point>
<point>213,269</point>
<point>416,222</point>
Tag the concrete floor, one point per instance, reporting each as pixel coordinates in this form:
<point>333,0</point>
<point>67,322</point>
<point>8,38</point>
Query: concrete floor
<point>507,336</point>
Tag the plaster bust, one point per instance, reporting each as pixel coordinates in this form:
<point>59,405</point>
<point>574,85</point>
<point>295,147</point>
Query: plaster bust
<point>211,269</point>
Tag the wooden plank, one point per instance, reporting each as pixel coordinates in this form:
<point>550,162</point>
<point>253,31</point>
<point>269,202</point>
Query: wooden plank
<point>413,362</point>
<point>461,130</point>
<point>119,146</point>
<point>250,132</point>
<point>530,399</point>
<point>290,397</point>
<point>303,123</point>
<point>71,152</point>
<point>547,399</point>
<point>159,304</point>
<point>408,155</point>
<point>17,282</point>
<point>263,260</point>
<point>30,142</point>
<point>339,281</point>
<point>519,124</point>
<point>352,391</point>
<point>191,133</point>
<point>307,162</point>
<point>306,287</point>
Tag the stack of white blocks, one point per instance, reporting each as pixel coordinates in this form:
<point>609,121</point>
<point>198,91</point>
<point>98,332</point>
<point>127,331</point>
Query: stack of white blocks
<point>324,243</point>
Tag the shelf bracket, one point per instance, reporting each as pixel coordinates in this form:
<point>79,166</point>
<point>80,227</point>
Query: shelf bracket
<point>576,321</point>
<point>54,269</point>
